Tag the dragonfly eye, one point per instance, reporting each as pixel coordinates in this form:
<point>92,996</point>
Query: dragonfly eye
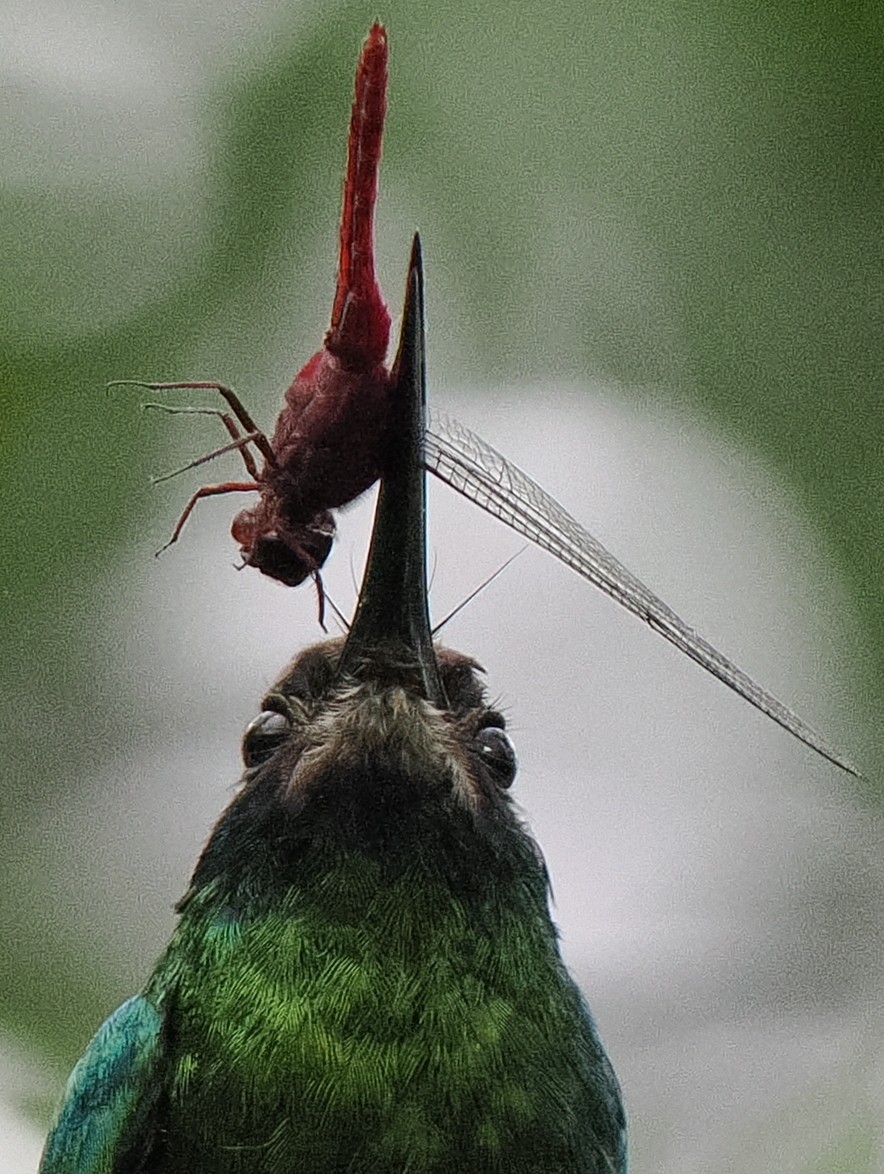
<point>264,736</point>
<point>277,559</point>
<point>496,750</point>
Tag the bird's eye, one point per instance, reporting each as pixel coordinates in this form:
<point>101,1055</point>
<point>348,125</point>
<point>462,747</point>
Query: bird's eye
<point>264,736</point>
<point>498,753</point>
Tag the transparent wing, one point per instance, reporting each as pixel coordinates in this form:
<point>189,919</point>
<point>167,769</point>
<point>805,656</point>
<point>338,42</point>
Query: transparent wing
<point>465,462</point>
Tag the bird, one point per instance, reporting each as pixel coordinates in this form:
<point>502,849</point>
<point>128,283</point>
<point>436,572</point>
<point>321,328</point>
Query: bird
<point>365,975</point>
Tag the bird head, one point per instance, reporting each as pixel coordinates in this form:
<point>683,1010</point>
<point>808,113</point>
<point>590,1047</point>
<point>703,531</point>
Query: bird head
<point>378,741</point>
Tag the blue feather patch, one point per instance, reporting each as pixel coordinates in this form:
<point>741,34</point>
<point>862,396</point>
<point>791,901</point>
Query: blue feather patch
<point>107,1113</point>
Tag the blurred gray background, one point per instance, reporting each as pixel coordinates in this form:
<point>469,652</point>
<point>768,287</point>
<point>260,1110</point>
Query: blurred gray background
<point>654,255</point>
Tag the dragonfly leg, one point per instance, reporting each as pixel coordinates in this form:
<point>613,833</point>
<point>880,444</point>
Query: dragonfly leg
<point>228,422</point>
<point>320,596</point>
<point>227,394</point>
<point>235,445</point>
<point>206,491</point>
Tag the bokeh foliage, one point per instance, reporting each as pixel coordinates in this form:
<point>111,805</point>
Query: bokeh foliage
<point>682,198</point>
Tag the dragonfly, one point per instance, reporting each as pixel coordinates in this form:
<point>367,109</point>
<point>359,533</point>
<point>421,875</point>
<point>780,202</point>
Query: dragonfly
<point>329,441</point>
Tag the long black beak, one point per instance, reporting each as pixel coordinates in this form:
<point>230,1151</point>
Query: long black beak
<point>392,622</point>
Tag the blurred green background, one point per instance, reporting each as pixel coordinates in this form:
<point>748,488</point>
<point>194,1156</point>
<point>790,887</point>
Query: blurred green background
<point>681,200</point>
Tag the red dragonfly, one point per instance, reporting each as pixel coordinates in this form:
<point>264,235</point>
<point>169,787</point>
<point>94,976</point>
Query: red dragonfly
<point>328,445</point>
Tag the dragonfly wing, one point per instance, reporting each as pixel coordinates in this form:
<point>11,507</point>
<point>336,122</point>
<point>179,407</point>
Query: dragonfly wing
<point>483,475</point>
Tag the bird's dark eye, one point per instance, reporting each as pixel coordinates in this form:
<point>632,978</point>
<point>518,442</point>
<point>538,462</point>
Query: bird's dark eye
<point>264,736</point>
<point>497,752</point>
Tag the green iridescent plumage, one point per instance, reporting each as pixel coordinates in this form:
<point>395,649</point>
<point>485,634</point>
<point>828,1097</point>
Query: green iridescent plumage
<point>365,975</point>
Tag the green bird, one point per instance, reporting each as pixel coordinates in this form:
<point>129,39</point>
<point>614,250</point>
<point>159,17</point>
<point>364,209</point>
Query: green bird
<point>365,976</point>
